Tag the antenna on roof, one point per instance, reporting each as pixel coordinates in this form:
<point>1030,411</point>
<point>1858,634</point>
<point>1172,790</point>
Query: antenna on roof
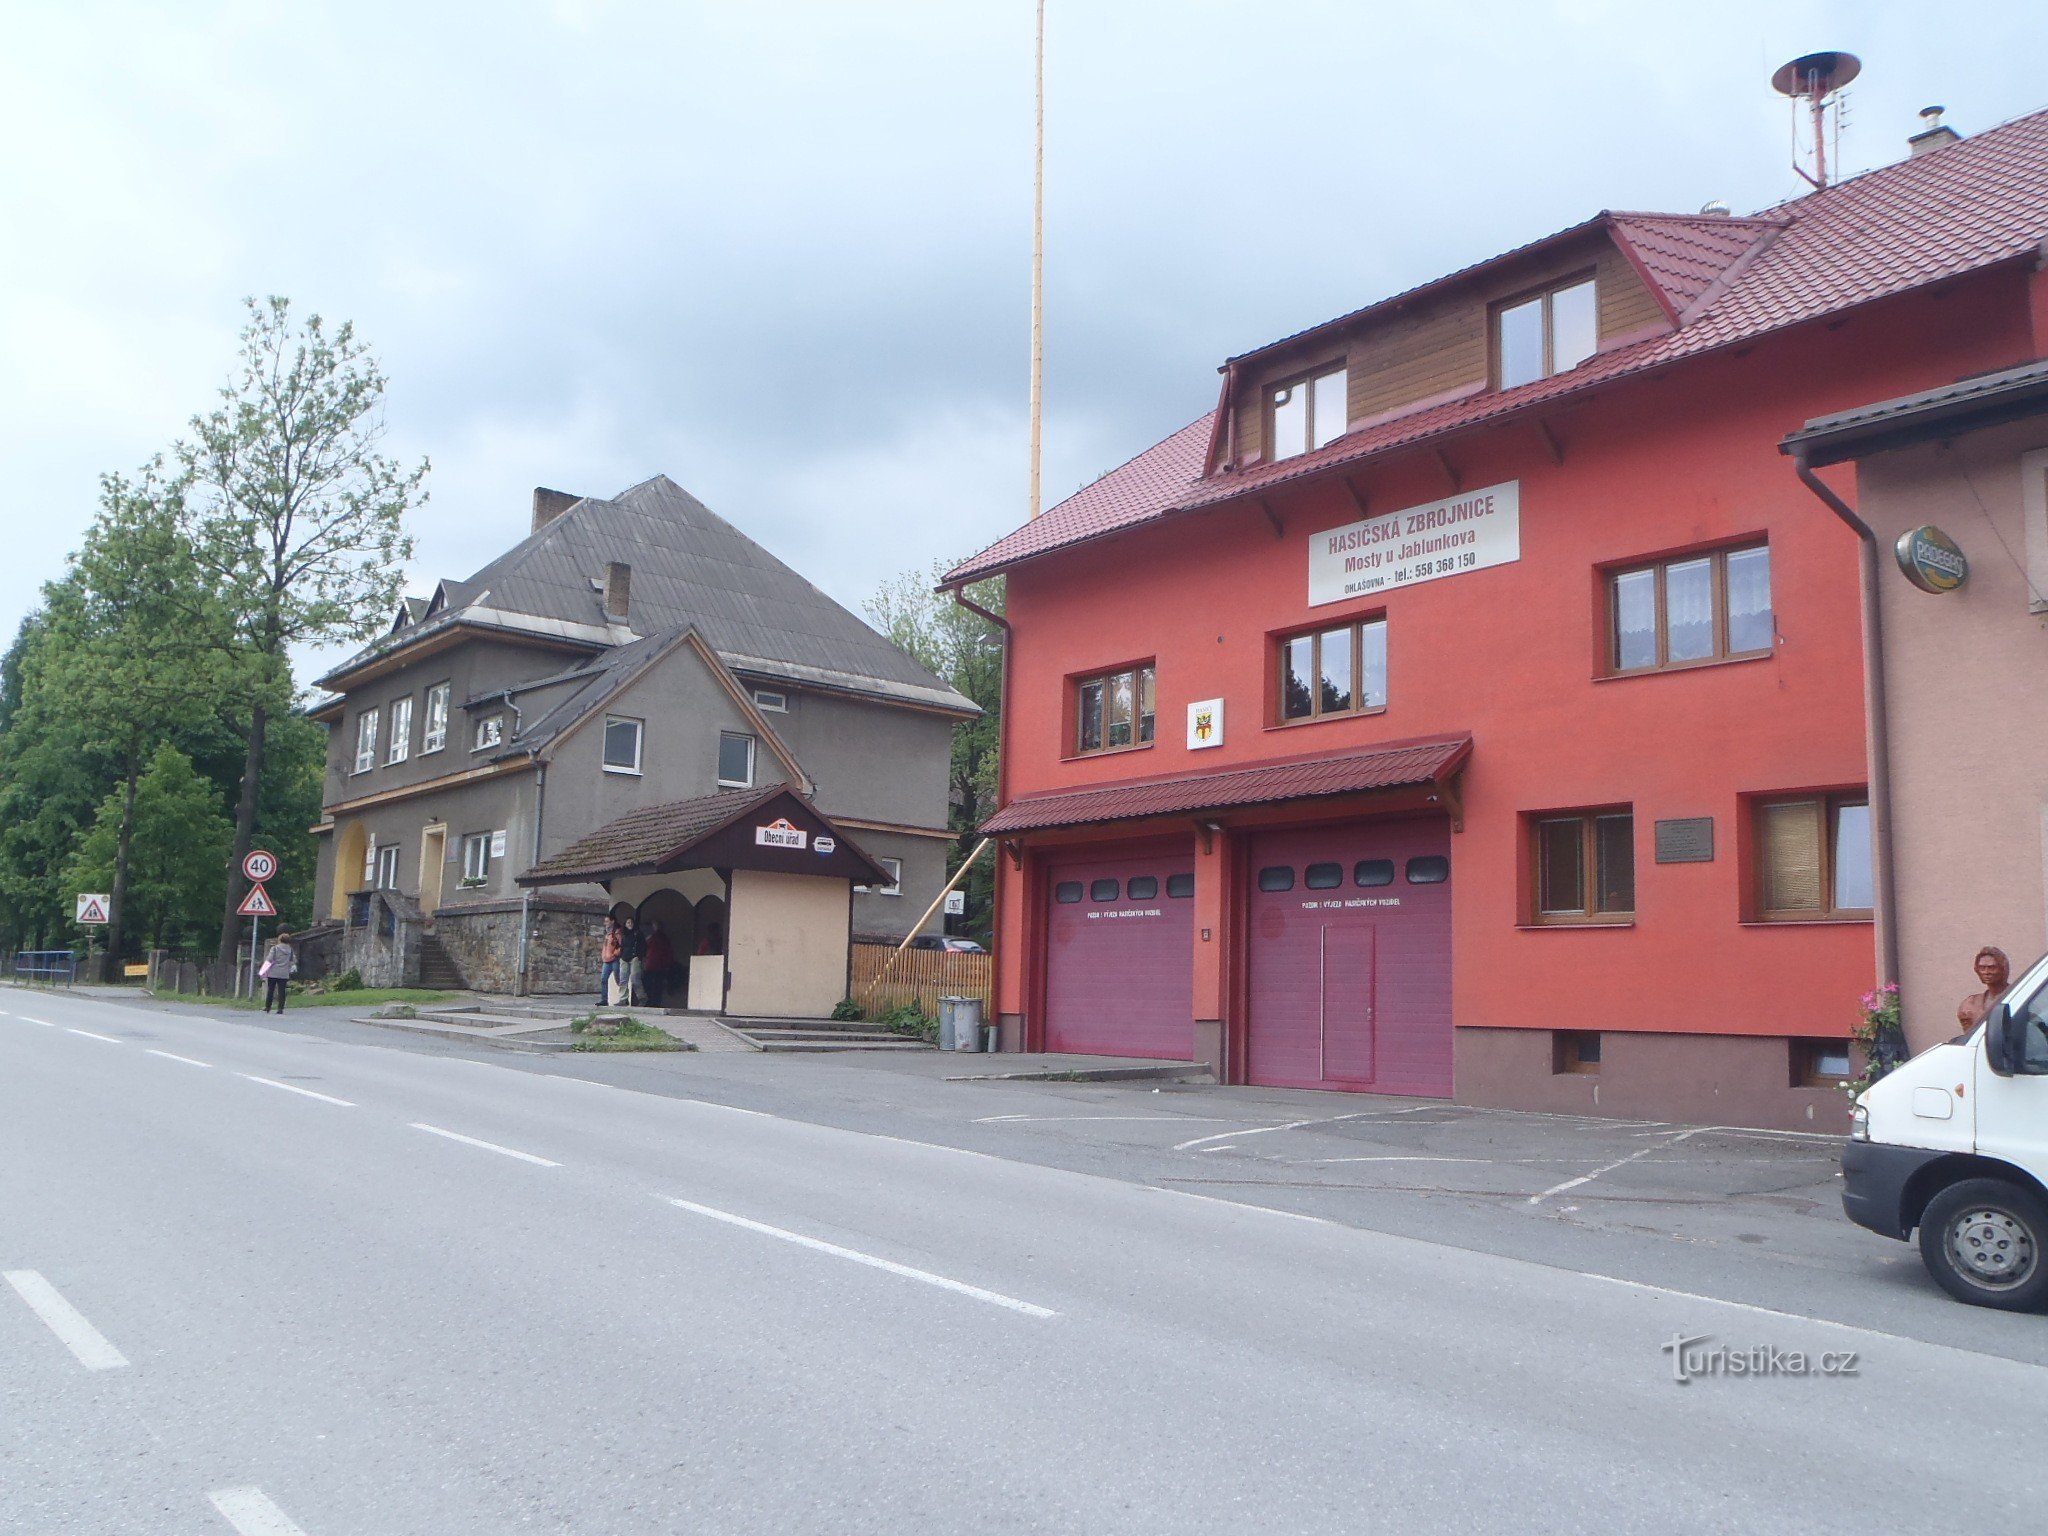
<point>1817,79</point>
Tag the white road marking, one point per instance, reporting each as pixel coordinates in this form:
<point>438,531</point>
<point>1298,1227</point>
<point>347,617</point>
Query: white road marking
<point>1240,1205</point>
<point>250,1511</point>
<point>174,1056</point>
<point>1189,1119</point>
<point>1587,1178</point>
<point>27,1020</point>
<point>66,1321</point>
<point>90,1035</point>
<point>1291,1125</point>
<point>959,1287</point>
<point>271,1082</point>
<point>488,1146</point>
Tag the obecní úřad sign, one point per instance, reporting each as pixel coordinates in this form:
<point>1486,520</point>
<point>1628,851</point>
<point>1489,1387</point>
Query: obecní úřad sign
<point>1466,532</point>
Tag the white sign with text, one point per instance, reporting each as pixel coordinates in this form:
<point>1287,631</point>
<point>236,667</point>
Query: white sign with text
<point>1466,532</point>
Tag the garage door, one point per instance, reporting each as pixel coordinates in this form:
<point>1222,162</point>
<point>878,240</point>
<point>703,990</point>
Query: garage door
<point>1120,956</point>
<point>1349,973</point>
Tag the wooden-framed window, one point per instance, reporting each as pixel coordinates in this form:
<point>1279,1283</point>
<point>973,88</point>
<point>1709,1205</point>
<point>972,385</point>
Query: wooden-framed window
<point>366,741</point>
<point>434,730</point>
<point>1337,671</point>
<point>1307,412</point>
<point>1115,710</point>
<point>1813,858</point>
<point>1544,333</point>
<point>401,731</point>
<point>1713,606</point>
<point>1585,867</point>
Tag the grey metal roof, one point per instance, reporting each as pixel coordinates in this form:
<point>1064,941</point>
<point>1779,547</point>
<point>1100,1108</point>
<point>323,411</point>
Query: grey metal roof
<point>689,567</point>
<point>1965,405</point>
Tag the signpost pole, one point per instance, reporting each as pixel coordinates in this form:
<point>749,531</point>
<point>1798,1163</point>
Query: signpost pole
<point>255,927</point>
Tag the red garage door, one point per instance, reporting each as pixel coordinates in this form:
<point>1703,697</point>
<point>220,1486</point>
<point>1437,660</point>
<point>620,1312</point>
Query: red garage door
<point>1350,958</point>
<point>1120,956</point>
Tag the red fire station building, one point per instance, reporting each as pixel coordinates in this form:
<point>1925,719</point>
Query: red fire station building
<point>1471,705</point>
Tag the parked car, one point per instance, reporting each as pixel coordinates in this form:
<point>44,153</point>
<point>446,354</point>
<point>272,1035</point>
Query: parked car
<point>965,947</point>
<point>947,943</point>
<point>1955,1144</point>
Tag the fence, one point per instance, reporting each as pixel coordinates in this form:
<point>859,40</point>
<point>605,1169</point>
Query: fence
<point>46,967</point>
<point>921,976</point>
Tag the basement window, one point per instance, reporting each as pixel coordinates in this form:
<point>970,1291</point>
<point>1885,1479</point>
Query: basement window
<point>1819,1063</point>
<point>1575,1050</point>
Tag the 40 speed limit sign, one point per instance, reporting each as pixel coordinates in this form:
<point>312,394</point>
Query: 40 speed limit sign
<point>260,865</point>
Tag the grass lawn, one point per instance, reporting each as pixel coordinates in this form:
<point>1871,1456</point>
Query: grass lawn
<point>357,997</point>
<point>632,1035</point>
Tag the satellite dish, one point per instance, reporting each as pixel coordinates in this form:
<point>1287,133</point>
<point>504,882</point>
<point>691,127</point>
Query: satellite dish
<point>1816,74</point>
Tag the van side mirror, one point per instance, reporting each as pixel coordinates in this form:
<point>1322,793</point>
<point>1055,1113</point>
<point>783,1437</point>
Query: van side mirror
<point>2005,1041</point>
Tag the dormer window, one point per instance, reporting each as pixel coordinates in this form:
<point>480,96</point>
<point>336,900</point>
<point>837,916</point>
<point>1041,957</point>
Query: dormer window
<point>1545,333</point>
<point>1306,413</point>
<point>490,732</point>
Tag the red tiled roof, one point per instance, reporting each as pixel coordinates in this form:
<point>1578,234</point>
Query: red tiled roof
<point>1395,766</point>
<point>1960,209</point>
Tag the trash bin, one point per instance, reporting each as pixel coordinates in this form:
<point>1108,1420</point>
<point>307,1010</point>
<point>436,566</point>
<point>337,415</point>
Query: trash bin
<point>959,1023</point>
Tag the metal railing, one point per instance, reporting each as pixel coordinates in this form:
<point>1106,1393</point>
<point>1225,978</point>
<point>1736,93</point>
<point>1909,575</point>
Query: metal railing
<point>46,967</point>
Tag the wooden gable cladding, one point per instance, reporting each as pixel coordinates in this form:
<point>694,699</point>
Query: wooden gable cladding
<point>1437,348</point>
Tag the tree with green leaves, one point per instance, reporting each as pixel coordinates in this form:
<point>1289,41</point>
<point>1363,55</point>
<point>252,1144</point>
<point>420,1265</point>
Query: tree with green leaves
<point>296,520</point>
<point>965,650</point>
<point>169,838</point>
<point>132,653</point>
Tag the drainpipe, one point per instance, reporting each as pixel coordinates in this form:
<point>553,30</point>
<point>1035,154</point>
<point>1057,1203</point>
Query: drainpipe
<point>1879,745</point>
<point>540,790</point>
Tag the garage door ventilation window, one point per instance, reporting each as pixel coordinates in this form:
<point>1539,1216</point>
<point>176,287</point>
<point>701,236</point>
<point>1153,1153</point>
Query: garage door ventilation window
<point>1430,869</point>
<point>1103,890</point>
<point>1180,887</point>
<point>1373,872</point>
<point>1143,888</point>
<point>1323,877</point>
<point>1067,892</point>
<point>1277,877</point>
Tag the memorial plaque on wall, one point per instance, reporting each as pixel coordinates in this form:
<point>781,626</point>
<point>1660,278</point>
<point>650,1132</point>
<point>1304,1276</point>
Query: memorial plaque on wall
<point>1686,840</point>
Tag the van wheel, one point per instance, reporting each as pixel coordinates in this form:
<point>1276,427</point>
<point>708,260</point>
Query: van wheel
<point>1985,1241</point>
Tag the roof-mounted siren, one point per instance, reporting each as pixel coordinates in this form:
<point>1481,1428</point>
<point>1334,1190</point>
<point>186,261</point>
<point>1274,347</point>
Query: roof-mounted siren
<point>1817,79</point>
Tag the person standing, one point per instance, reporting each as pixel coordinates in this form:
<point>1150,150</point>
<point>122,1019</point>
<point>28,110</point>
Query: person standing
<point>1995,972</point>
<point>630,952</point>
<point>610,955</point>
<point>279,961</point>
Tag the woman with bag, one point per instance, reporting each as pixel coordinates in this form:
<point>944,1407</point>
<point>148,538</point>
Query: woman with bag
<point>278,964</point>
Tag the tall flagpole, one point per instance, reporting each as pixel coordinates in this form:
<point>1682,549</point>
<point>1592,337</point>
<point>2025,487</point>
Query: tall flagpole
<point>1038,273</point>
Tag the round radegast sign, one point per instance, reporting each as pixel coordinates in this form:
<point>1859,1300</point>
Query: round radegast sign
<point>1932,560</point>
<point>260,864</point>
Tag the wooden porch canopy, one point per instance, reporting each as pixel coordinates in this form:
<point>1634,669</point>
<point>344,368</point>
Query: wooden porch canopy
<point>773,829</point>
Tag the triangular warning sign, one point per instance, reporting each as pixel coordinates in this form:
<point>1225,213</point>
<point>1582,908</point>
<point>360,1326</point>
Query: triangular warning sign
<point>257,903</point>
<point>91,909</point>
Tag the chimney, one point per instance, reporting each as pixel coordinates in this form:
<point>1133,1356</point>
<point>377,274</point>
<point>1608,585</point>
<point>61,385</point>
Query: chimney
<point>1935,135</point>
<point>618,588</point>
<point>549,505</point>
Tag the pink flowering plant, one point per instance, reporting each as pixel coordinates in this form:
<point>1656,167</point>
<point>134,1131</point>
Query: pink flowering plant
<point>1879,1023</point>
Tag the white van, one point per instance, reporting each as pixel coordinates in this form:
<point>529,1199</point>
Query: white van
<point>1955,1143</point>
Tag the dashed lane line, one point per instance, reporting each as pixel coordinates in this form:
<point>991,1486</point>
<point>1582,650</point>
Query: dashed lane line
<point>854,1255</point>
<point>251,1512</point>
<point>174,1056</point>
<point>488,1146</point>
<point>90,1035</point>
<point>92,1348</point>
<point>271,1082</point>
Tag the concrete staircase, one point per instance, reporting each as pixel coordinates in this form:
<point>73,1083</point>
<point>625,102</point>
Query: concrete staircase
<point>437,970</point>
<point>822,1035</point>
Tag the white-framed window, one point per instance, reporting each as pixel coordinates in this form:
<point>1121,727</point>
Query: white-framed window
<point>769,699</point>
<point>476,858</point>
<point>387,867</point>
<point>435,734</point>
<point>366,741</point>
<point>735,760</point>
<point>401,730</point>
<point>490,732</point>
<point>370,861</point>
<point>894,869</point>
<point>622,744</point>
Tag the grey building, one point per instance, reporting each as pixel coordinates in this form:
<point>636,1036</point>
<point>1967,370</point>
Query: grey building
<point>630,653</point>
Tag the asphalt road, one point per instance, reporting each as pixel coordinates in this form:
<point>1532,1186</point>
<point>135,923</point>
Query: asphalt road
<point>267,1280</point>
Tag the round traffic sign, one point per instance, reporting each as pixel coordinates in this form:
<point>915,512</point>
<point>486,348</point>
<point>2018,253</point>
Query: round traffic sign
<point>260,865</point>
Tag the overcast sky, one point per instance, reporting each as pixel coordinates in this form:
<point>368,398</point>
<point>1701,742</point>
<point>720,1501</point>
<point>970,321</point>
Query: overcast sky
<point>781,252</point>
